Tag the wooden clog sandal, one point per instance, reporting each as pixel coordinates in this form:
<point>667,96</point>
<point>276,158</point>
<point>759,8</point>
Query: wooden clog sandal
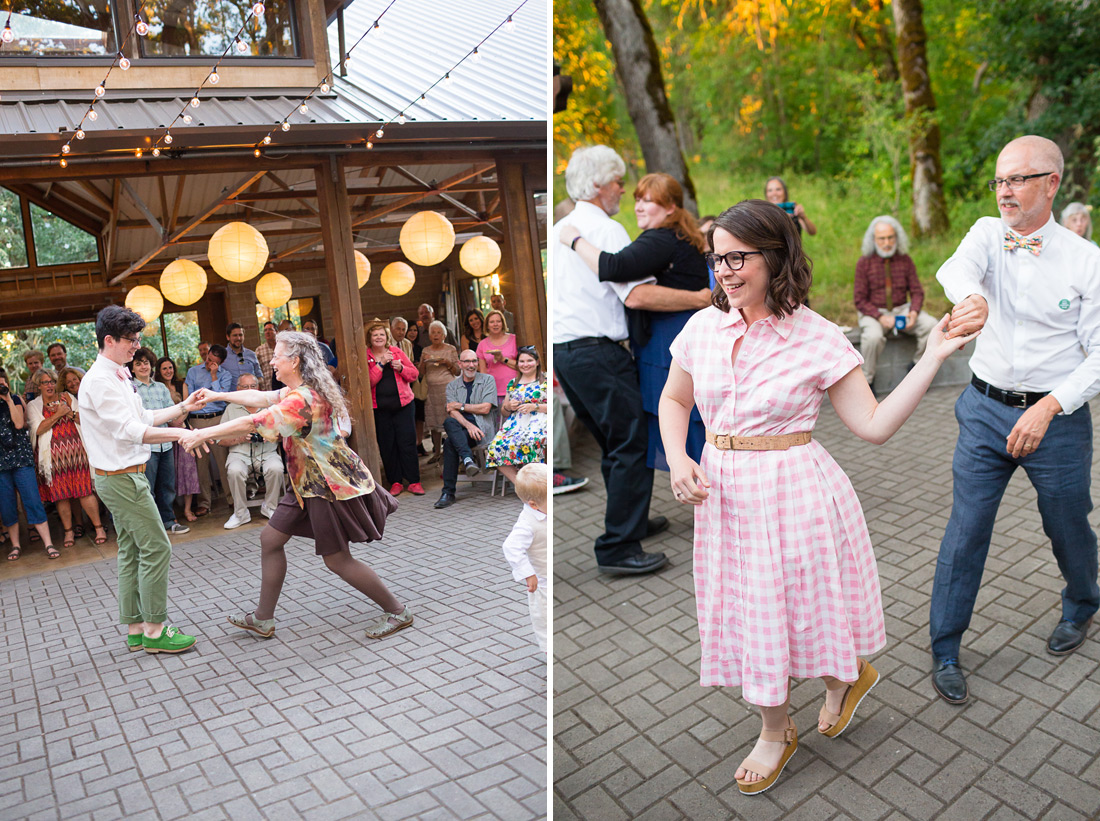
<point>868,678</point>
<point>790,738</point>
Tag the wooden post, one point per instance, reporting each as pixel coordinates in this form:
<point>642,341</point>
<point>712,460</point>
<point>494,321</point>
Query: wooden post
<point>347,311</point>
<point>521,247</point>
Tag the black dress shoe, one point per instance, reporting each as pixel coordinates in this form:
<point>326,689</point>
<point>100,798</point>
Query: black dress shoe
<point>635,565</point>
<point>950,683</point>
<point>657,524</point>
<point>446,500</point>
<point>1068,636</point>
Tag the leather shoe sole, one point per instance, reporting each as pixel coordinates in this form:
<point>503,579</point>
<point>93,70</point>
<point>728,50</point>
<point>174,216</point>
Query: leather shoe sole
<point>658,524</point>
<point>1067,637</point>
<point>949,698</point>
<point>635,565</point>
<point>444,501</point>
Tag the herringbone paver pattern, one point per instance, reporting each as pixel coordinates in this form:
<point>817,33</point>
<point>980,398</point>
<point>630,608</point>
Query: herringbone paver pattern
<point>637,737</point>
<point>443,720</point>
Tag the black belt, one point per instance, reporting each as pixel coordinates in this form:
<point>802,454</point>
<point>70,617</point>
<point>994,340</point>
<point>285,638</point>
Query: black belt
<point>204,415</point>
<point>585,342</point>
<point>1014,399</point>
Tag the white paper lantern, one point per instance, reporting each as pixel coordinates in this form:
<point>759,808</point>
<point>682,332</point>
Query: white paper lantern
<point>145,300</point>
<point>397,279</point>
<point>237,252</point>
<point>362,268</point>
<point>273,290</point>
<point>183,282</point>
<point>427,238</point>
<point>479,256</point>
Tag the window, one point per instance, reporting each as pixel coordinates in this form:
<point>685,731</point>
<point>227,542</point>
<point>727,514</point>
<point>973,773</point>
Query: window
<point>57,242</point>
<point>205,28</point>
<point>13,247</point>
<point>53,28</point>
<point>293,310</point>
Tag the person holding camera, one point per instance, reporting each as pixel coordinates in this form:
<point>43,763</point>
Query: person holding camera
<point>17,472</point>
<point>888,293</point>
<point>775,192</point>
<point>250,455</point>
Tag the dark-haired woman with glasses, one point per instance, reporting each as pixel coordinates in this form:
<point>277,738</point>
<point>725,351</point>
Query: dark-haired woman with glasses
<point>522,438</point>
<point>669,249</point>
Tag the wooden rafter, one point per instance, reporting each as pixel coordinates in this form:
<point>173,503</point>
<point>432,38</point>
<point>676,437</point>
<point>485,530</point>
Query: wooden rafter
<point>57,206</point>
<point>135,197</point>
<point>180,180</point>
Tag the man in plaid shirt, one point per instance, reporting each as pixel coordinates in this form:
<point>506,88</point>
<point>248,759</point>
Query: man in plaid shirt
<point>887,287</point>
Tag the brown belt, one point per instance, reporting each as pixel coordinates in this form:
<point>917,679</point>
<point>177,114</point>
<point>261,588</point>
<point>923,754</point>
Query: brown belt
<point>787,440</point>
<point>132,469</point>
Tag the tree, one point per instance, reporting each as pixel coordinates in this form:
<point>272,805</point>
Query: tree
<point>929,207</point>
<point>638,68</point>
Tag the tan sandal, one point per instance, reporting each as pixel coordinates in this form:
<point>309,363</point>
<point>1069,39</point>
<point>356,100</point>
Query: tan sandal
<point>264,628</point>
<point>790,738</point>
<point>868,678</point>
<point>390,623</point>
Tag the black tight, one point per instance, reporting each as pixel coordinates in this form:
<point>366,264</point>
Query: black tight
<point>351,570</point>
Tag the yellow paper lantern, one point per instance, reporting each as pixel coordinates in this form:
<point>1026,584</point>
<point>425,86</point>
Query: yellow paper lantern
<point>305,306</point>
<point>145,300</point>
<point>479,256</point>
<point>362,268</point>
<point>397,279</point>
<point>427,238</point>
<point>183,282</point>
<point>237,252</point>
<point>273,290</point>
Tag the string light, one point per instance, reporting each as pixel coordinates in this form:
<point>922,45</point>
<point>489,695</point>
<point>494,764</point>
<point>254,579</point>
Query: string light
<point>285,126</point>
<point>303,108</point>
<point>123,62</point>
<point>401,119</point>
<point>256,152</point>
<point>370,145</point>
<point>101,89</point>
<point>7,35</point>
<point>477,56</point>
<point>140,26</point>
<point>379,134</point>
<point>80,133</point>
<point>64,163</point>
<point>214,78</point>
<point>258,9</point>
<point>377,29</point>
<point>509,24</point>
<point>156,151</point>
<point>240,45</point>
<point>65,148</point>
<point>137,152</point>
<point>187,118</point>
<point>324,87</point>
<point>92,115</point>
<point>448,79</point>
<point>168,137</point>
<point>267,140</point>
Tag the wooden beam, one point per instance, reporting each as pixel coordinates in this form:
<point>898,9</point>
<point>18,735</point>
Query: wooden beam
<point>135,197</point>
<point>228,194</point>
<point>363,191</point>
<point>164,215</point>
<point>97,195</point>
<point>347,309</point>
<point>521,250</point>
<point>275,178</point>
<point>111,228</point>
<point>462,176</point>
<point>181,180</point>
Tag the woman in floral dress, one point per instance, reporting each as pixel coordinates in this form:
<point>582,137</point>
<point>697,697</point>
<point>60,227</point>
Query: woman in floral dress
<point>332,499</point>
<point>785,574</point>
<point>522,437</point>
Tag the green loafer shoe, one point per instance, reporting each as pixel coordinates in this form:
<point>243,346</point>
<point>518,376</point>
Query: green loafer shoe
<point>170,640</point>
<point>133,642</point>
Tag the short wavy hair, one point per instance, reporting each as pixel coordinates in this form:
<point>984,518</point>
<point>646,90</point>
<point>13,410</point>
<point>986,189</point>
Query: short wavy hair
<point>1073,209</point>
<point>767,228</point>
<point>869,235</point>
<point>590,168</point>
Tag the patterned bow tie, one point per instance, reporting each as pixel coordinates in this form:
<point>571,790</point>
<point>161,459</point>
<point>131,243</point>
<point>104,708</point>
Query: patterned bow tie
<point>1014,241</point>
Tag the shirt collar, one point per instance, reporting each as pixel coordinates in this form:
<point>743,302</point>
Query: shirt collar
<point>781,325</point>
<point>1045,233</point>
<point>586,208</point>
<point>538,514</point>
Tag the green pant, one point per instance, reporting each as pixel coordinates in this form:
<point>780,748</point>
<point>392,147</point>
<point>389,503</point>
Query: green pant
<point>144,550</point>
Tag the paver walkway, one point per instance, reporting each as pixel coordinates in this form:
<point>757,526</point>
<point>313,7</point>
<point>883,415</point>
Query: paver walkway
<point>444,720</point>
<point>637,737</point>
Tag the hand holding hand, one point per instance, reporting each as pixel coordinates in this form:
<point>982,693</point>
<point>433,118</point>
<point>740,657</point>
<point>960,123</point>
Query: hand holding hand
<point>193,440</point>
<point>689,483</point>
<point>941,345</point>
<point>968,316</point>
<point>198,399</point>
<point>532,584</point>
<point>568,234</point>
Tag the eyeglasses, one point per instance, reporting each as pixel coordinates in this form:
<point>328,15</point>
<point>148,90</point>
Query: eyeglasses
<point>133,340</point>
<point>467,362</point>
<point>1015,181</point>
<point>735,260</point>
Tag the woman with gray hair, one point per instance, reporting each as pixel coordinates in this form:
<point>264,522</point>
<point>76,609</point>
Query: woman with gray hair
<point>438,366</point>
<point>1076,217</point>
<point>333,497</point>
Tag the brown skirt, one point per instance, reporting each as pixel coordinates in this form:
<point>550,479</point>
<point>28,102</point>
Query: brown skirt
<point>333,524</point>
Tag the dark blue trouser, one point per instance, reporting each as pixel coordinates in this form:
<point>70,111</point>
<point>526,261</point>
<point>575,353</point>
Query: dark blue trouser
<point>160,470</point>
<point>1060,472</point>
<point>457,448</point>
<point>26,482</point>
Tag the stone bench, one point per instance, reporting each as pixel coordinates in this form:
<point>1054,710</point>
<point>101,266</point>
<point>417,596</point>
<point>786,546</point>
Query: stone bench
<point>894,362</point>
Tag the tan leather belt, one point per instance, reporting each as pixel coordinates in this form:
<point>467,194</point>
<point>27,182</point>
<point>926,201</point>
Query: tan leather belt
<point>132,469</point>
<point>787,440</point>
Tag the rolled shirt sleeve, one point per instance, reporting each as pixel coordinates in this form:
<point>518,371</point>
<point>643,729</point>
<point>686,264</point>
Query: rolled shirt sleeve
<point>964,272</point>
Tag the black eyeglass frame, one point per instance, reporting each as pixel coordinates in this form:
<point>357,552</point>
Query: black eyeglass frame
<point>1015,181</point>
<point>711,260</point>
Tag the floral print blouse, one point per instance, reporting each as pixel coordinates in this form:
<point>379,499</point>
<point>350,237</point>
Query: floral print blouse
<point>319,461</point>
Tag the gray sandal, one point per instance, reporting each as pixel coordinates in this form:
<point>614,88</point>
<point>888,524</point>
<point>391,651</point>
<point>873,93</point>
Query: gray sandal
<point>264,628</point>
<point>389,623</point>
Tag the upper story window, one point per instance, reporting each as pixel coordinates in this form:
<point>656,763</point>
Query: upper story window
<point>13,246</point>
<point>57,242</point>
<point>205,28</point>
<point>61,28</point>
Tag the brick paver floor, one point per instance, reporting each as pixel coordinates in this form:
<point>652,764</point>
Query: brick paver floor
<point>637,737</point>
<point>444,720</point>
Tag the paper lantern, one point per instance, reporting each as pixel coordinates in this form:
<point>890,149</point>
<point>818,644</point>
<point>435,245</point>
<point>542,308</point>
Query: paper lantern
<point>427,238</point>
<point>183,282</point>
<point>479,256</point>
<point>305,306</point>
<point>362,268</point>
<point>237,252</point>
<point>273,290</point>
<point>146,300</point>
<point>397,279</point>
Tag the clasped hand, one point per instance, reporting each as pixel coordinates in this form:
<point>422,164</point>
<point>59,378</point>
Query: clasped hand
<point>941,343</point>
<point>689,482</point>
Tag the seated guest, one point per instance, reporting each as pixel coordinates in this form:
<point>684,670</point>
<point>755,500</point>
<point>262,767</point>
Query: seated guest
<point>69,379</point>
<point>887,287</point>
<point>471,399</point>
<point>473,330</point>
<point>59,357</point>
<point>17,472</point>
<point>521,439</point>
<point>187,470</point>
<point>63,472</point>
<point>160,470</point>
<point>251,455</point>
<point>34,361</point>
<point>211,375</point>
<point>391,376</point>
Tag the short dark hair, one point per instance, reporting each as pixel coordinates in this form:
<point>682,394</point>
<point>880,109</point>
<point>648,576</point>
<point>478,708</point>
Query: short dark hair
<point>231,327</point>
<point>219,351</point>
<point>272,324</point>
<point>116,321</point>
<point>60,345</point>
<point>147,355</point>
<point>766,227</point>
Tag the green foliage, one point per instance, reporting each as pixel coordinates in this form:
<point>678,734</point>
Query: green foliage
<point>13,248</point>
<point>57,241</point>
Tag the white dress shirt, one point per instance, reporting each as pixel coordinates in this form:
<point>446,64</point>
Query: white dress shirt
<point>525,547</point>
<point>113,419</point>
<point>582,305</point>
<point>1043,331</point>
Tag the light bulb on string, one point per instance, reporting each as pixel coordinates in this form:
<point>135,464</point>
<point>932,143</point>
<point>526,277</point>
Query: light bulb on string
<point>123,62</point>
<point>423,97</point>
<point>448,79</point>
<point>370,145</point>
<point>7,35</point>
<point>137,152</point>
<point>267,140</point>
<point>187,118</point>
<point>65,149</point>
<point>285,126</point>
<point>303,108</point>
<point>214,78</point>
<point>80,133</point>
<point>140,26</point>
<point>156,152</point>
<point>101,89</point>
<point>401,119</point>
<point>325,87</point>
<point>376,29</point>
<point>256,152</point>
<point>194,102</point>
<point>258,9</point>
<point>240,45</point>
<point>477,56</point>
<point>509,24</point>
<point>64,163</point>
<point>93,115</point>
<point>379,134</point>
<point>168,137</point>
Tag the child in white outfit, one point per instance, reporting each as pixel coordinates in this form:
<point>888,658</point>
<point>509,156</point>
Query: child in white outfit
<point>525,547</point>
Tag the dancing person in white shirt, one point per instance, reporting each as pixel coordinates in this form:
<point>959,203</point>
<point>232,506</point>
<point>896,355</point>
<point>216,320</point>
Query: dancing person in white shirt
<point>117,433</point>
<point>1033,287</point>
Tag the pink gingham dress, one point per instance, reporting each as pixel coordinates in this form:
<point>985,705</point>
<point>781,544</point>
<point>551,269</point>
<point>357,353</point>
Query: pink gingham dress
<point>785,577</point>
